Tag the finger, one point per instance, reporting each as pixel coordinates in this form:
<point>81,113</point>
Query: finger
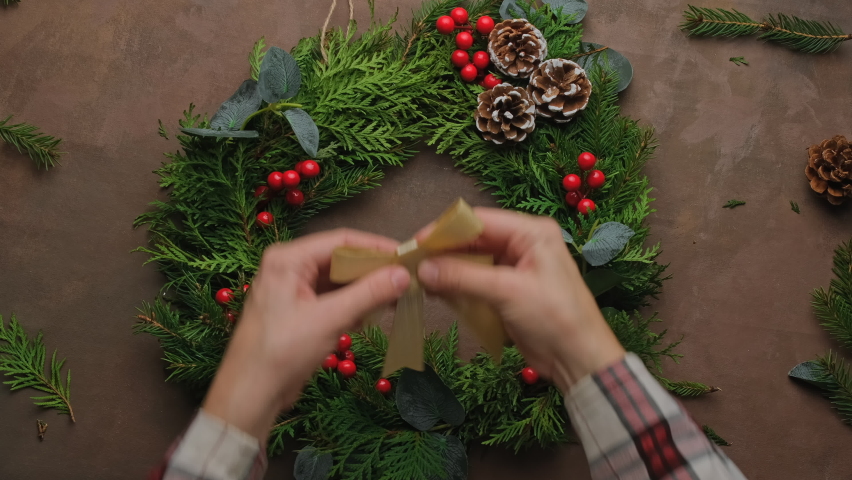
<point>446,275</point>
<point>350,303</point>
<point>315,249</point>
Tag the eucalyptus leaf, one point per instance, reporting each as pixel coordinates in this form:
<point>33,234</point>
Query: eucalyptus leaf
<point>578,8</point>
<point>305,129</point>
<point>454,457</point>
<point>235,110</point>
<point>422,399</point>
<point>207,132</point>
<point>312,465</point>
<point>610,60</point>
<point>567,236</point>
<point>279,77</point>
<point>606,242</point>
<point>509,9</point>
<point>810,372</point>
<point>602,280</point>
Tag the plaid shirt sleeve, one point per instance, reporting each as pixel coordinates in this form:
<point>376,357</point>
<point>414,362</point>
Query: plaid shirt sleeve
<point>632,429</point>
<point>212,450</point>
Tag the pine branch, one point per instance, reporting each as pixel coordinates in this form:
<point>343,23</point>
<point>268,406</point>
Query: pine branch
<point>838,380</point>
<point>44,149</point>
<point>714,437</point>
<point>809,36</point>
<point>834,307</point>
<point>24,361</point>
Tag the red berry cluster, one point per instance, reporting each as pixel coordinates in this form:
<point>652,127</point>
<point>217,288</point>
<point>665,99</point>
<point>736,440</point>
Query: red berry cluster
<point>343,360</point>
<point>470,70</point>
<point>223,297</point>
<point>284,181</point>
<point>576,196</point>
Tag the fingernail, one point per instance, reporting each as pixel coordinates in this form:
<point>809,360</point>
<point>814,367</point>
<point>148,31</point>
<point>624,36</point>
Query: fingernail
<point>400,279</point>
<point>428,272</point>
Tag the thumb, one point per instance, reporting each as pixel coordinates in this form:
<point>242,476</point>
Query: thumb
<point>446,275</point>
<point>351,302</point>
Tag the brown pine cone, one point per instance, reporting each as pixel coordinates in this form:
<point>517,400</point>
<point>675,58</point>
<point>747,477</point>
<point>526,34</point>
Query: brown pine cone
<point>516,47</point>
<point>830,169</point>
<point>559,89</point>
<point>505,113</point>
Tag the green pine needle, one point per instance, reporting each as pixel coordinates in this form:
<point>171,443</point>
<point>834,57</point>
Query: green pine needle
<point>714,437</point>
<point>44,149</point>
<point>733,204</point>
<point>24,361</point>
<point>794,206</point>
<point>685,388</point>
<point>805,35</point>
<point>739,61</point>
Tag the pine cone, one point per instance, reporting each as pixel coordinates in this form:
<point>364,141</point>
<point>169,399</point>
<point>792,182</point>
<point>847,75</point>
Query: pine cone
<point>560,89</point>
<point>505,113</point>
<point>830,169</point>
<point>516,47</point>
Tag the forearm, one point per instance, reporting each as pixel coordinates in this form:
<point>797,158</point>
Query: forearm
<point>631,427</point>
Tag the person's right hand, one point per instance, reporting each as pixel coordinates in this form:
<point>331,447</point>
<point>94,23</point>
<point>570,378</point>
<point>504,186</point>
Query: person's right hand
<point>536,287</point>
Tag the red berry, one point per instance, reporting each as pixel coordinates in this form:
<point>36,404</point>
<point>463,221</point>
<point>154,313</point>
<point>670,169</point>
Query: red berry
<point>383,386</point>
<point>484,25</point>
<point>464,40</point>
<point>586,161</point>
<point>529,376</point>
<point>245,288</point>
<point>224,295</point>
<point>295,197</point>
<point>347,368</point>
<point>231,316</point>
<point>596,179</point>
<point>469,72</point>
<point>264,219</point>
<point>586,206</point>
<point>481,60</point>
<point>573,198</point>
<point>298,167</point>
<point>262,194</point>
<point>344,343</point>
<point>572,182</point>
<point>310,169</point>
<point>445,25</point>
<point>460,58</point>
<point>459,15</point>
<point>275,181</point>
<point>349,355</point>
<point>330,362</point>
<point>291,178</point>
<point>490,81</point>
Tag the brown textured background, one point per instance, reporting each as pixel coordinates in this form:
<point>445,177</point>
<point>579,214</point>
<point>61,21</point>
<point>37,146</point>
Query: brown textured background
<point>99,73</point>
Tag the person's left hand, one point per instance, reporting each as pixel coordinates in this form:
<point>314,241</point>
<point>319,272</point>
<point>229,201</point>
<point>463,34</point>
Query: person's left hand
<point>292,320</point>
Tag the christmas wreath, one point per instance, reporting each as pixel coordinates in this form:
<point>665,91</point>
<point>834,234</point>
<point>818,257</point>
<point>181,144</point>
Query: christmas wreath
<point>533,116</point>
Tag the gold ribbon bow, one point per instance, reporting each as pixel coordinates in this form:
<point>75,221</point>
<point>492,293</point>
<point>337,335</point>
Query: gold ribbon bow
<point>457,227</point>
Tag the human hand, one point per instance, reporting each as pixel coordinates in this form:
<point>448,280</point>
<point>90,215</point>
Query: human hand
<point>290,321</point>
<point>537,288</point>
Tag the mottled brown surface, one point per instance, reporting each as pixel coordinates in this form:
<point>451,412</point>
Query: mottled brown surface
<point>99,73</point>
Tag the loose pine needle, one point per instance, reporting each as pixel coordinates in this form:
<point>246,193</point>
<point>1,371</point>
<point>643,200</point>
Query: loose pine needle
<point>42,429</point>
<point>44,149</point>
<point>739,61</point>
<point>794,206</point>
<point>714,437</point>
<point>733,203</point>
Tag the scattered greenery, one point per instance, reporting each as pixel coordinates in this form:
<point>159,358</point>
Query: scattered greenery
<point>806,35</point>
<point>739,61</point>
<point>794,206</point>
<point>23,360</point>
<point>714,437</point>
<point>9,2</point>
<point>733,204</point>
<point>43,149</point>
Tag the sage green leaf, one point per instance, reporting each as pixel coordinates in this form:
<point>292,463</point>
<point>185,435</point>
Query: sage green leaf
<point>610,60</point>
<point>305,129</point>
<point>423,399</point>
<point>606,242</point>
<point>567,236</point>
<point>578,8</point>
<point>810,372</point>
<point>312,465</point>
<point>602,280</point>
<point>207,132</point>
<point>454,455</point>
<point>235,110</point>
<point>279,77</point>
<point>510,9</point>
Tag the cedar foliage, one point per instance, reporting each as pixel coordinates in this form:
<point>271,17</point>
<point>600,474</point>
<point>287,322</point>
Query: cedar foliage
<point>373,101</point>
<point>43,149</point>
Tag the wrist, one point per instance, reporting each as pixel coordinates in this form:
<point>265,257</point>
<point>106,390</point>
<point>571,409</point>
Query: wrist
<point>598,351</point>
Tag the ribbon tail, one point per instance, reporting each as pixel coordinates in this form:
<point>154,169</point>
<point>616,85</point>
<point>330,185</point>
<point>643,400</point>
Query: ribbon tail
<point>405,345</point>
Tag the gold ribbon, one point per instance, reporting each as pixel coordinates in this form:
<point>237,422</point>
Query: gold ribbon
<point>457,227</point>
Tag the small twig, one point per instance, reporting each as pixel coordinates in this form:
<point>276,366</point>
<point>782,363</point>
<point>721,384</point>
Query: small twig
<point>156,324</point>
<point>324,29</point>
<point>42,429</point>
<point>590,52</point>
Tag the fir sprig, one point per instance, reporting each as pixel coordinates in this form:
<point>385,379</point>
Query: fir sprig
<point>799,34</point>
<point>838,384</point>
<point>833,307</point>
<point>44,149</point>
<point>23,360</point>
<point>714,437</point>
